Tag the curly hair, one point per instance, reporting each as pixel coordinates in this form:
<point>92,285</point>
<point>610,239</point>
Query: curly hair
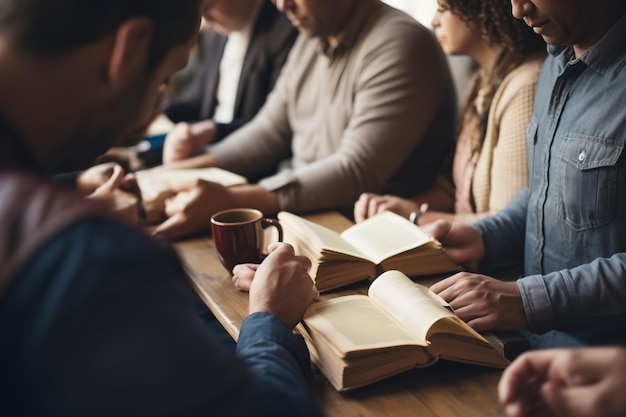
<point>498,27</point>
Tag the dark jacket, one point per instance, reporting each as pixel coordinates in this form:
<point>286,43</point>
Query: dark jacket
<point>271,39</point>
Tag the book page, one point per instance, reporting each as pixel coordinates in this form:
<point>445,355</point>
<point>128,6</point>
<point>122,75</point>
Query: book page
<point>412,304</point>
<point>324,238</point>
<point>354,323</point>
<point>385,235</point>
<point>157,185</point>
<point>152,183</point>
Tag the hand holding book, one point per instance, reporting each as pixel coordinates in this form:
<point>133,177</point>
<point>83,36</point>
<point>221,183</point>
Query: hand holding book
<point>358,339</point>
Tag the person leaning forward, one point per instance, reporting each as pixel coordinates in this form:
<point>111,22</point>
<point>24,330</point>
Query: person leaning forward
<point>365,102</point>
<point>95,317</point>
<point>567,230</point>
<point>242,51</point>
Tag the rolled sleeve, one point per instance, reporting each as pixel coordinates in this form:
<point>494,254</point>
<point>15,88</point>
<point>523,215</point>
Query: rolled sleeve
<point>537,304</point>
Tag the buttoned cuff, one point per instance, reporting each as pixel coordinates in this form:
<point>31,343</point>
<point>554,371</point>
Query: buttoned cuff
<point>266,332</point>
<point>537,304</point>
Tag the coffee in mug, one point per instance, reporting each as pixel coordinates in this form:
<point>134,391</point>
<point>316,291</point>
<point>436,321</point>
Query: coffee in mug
<point>239,237</point>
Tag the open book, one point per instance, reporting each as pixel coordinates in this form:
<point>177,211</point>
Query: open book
<point>157,185</point>
<point>382,242</point>
<point>359,339</point>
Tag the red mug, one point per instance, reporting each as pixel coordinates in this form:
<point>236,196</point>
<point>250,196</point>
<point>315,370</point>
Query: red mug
<point>239,235</point>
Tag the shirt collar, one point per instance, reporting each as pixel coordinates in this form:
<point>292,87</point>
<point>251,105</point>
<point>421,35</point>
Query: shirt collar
<point>603,54</point>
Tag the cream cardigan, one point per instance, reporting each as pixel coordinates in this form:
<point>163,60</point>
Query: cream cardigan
<point>502,169</point>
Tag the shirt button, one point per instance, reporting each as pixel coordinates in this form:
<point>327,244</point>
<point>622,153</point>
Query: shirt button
<point>581,156</point>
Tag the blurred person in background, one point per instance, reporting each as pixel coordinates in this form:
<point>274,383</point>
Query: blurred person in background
<point>365,102</point>
<point>242,50</point>
<point>490,164</point>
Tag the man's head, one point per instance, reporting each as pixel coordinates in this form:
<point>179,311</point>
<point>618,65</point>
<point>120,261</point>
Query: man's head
<point>108,59</point>
<point>317,18</point>
<point>226,16</point>
<point>579,23</point>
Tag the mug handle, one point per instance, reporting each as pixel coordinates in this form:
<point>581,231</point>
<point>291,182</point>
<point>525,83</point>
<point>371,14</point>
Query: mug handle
<point>265,223</point>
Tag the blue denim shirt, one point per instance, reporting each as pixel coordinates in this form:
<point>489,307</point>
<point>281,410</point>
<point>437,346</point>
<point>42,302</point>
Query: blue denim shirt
<point>570,224</point>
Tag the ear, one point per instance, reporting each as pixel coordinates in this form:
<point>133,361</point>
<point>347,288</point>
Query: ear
<point>130,51</point>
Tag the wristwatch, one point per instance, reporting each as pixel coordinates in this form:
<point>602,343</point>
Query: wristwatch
<point>415,215</point>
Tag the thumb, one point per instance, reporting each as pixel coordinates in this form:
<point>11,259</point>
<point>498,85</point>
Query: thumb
<point>170,228</point>
<point>114,181</point>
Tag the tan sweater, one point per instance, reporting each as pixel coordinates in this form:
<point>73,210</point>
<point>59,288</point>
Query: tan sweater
<point>375,114</point>
<point>502,169</point>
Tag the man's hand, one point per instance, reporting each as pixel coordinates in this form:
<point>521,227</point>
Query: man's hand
<point>566,383</point>
<point>462,243</point>
<point>370,204</point>
<point>185,139</point>
<point>281,285</point>
<point>119,192</point>
<point>484,303</point>
<point>190,210</point>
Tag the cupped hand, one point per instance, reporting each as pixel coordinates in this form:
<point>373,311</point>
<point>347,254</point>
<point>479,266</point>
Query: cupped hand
<point>120,193</point>
<point>483,302</point>
<point>580,382</point>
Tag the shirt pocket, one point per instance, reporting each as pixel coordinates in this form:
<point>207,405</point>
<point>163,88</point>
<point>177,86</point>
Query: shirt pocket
<point>587,180</point>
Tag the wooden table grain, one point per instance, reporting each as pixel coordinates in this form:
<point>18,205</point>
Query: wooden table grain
<point>445,389</point>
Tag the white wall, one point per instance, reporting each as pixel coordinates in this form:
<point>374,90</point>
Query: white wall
<point>422,10</point>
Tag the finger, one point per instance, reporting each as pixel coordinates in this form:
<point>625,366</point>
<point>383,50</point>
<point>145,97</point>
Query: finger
<point>567,401</point>
<point>316,293</point>
<point>359,209</point>
<point>114,181</point>
<point>280,245</point>
<point>525,374</point>
<point>246,266</point>
<point>372,206</point>
<point>444,284</point>
<point>173,228</point>
<point>243,275</point>
<point>437,229</point>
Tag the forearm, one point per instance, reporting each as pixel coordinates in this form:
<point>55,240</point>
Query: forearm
<point>279,363</point>
<point>257,197</point>
<point>589,297</point>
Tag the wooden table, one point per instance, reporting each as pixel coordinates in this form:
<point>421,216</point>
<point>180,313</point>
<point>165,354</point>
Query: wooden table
<point>446,389</point>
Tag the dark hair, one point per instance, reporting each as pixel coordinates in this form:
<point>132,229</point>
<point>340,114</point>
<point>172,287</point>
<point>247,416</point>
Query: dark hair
<point>53,27</point>
<point>498,27</point>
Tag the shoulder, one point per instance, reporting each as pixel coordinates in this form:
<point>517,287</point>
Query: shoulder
<point>274,24</point>
<point>394,41</point>
<point>33,211</point>
<point>526,73</point>
<point>392,25</point>
<point>520,83</point>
